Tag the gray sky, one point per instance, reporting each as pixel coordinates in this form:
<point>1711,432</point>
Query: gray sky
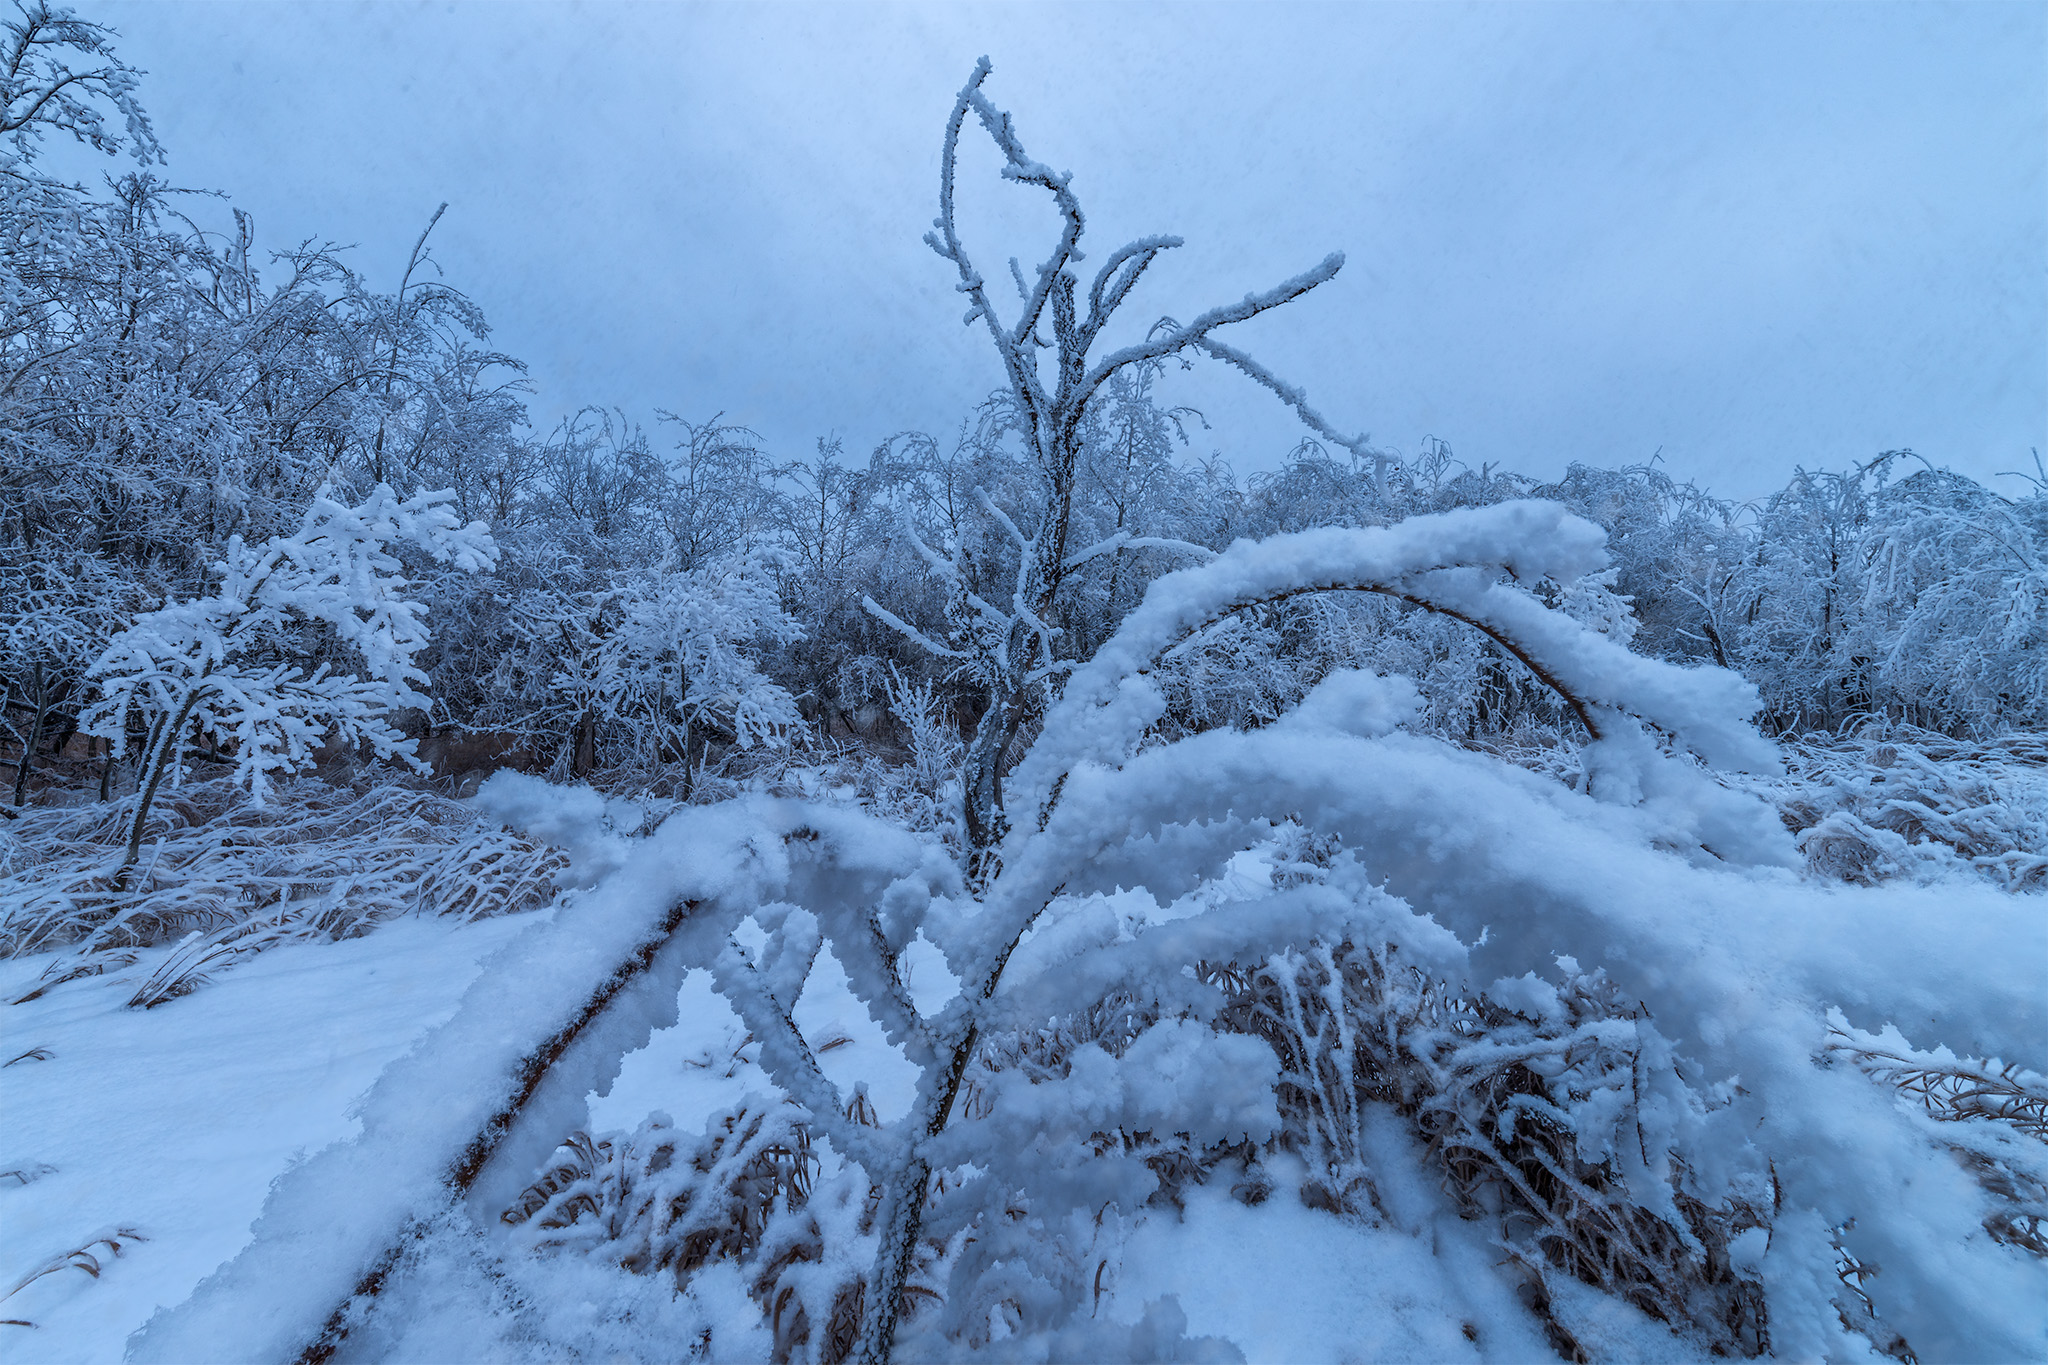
<point>1751,236</point>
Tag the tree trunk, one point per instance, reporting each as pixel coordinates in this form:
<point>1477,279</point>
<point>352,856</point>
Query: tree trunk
<point>33,739</point>
<point>982,783</point>
<point>159,762</point>
<point>583,752</point>
<point>689,762</point>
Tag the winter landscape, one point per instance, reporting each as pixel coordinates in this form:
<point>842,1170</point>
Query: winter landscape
<point>478,885</point>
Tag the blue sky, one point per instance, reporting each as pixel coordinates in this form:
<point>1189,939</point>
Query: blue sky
<point>1747,236</point>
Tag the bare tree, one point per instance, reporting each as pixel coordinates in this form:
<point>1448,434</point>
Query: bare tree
<point>1011,648</point>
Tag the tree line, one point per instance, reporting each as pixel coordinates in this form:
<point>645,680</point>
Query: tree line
<point>670,592</point>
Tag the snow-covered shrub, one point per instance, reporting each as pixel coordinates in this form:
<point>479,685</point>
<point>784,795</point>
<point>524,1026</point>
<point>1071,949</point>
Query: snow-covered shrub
<point>1532,1100</point>
<point>1035,1139</point>
<point>639,676</point>
<point>658,1200</point>
<point>934,744</point>
<point>673,659</point>
<point>307,640</point>
<point>1950,630</point>
<point>1567,1116</point>
<point>1992,1115</point>
<point>60,612</point>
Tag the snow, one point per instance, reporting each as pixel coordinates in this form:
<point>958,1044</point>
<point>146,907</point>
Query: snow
<point>1293,1286</point>
<point>193,1122</point>
<point>336,1215</point>
<point>174,1121</point>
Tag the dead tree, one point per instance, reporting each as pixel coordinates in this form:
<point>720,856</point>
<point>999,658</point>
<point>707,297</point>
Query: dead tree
<point>1011,648</point>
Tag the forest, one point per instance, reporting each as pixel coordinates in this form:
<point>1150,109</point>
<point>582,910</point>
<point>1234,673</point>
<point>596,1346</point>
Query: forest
<point>472,890</point>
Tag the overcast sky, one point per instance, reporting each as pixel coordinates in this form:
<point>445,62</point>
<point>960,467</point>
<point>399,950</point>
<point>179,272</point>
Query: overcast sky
<point>1746,236</point>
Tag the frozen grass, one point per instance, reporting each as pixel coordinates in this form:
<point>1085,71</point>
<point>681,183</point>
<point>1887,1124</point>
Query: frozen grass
<point>1992,1115</point>
<point>1883,803</point>
<point>746,1191</point>
<point>222,878</point>
<point>1510,1103</point>
<point>1899,802</point>
<point>916,786</point>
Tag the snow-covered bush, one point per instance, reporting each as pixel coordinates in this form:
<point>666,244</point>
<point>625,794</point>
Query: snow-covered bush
<point>61,611</point>
<point>671,666</point>
<point>934,743</point>
<point>308,640</point>
<point>1530,1098</point>
<point>1026,1149</point>
<point>644,673</point>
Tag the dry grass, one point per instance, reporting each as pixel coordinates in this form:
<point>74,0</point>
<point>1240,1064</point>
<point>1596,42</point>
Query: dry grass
<point>1505,1105</point>
<point>85,1258</point>
<point>1992,1116</point>
<point>745,1190</point>
<point>1879,804</point>
<point>223,878</point>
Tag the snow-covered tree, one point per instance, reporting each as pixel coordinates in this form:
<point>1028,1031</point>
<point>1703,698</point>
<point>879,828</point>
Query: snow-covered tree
<point>1952,627</point>
<point>307,639</point>
<point>61,610</point>
<point>1010,645</point>
<point>673,662</point>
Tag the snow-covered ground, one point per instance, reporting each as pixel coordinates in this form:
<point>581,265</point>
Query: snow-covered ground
<point>1324,1040</point>
<point>171,1123</point>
